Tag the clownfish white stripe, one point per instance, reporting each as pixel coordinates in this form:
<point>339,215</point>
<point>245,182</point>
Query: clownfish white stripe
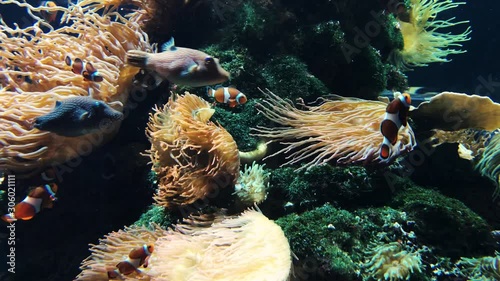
<point>394,118</point>
<point>227,95</point>
<point>134,262</point>
<point>35,202</point>
<point>145,248</point>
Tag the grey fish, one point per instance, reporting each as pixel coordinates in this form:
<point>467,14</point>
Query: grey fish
<point>77,116</point>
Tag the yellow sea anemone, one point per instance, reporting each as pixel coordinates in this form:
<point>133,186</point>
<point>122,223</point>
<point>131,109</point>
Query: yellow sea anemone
<point>423,43</point>
<point>191,155</point>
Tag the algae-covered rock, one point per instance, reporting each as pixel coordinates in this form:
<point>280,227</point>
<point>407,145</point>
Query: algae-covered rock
<point>445,223</point>
<point>332,243</point>
<point>156,214</point>
<point>321,184</point>
<point>323,234</point>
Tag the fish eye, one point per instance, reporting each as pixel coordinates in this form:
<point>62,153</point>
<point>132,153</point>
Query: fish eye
<point>209,59</point>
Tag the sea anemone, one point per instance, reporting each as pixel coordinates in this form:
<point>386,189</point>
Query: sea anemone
<point>205,247</point>
<point>35,76</point>
<point>248,247</point>
<point>423,43</point>
<point>192,156</point>
<point>481,269</point>
<point>489,165</point>
<point>345,129</point>
<point>391,262</point>
<point>252,185</point>
<point>114,248</point>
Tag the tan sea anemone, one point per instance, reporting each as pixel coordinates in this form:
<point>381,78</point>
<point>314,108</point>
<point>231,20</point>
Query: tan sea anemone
<point>248,247</point>
<point>35,77</point>
<point>114,248</point>
<point>346,130</point>
<point>191,155</point>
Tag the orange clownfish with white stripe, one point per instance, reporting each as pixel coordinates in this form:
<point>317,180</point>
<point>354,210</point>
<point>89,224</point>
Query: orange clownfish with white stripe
<point>49,16</point>
<point>39,198</point>
<point>136,258</point>
<point>228,95</point>
<point>86,69</point>
<point>396,115</point>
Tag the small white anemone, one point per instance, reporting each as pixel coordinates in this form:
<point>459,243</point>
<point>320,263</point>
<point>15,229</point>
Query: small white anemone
<point>252,184</point>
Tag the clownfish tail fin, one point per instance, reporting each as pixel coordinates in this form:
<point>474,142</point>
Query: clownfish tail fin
<point>210,92</point>
<point>9,218</point>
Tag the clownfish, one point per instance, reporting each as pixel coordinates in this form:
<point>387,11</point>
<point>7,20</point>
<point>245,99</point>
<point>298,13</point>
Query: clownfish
<point>136,258</point>
<point>182,66</point>
<point>396,115</point>
<point>228,95</point>
<point>39,198</point>
<point>86,69</point>
<point>49,16</point>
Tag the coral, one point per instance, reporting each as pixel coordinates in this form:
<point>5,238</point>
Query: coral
<point>114,248</point>
<point>489,164</point>
<point>191,155</point>
<point>37,77</point>
<point>451,111</point>
<point>436,216</point>
<point>347,130</point>
<point>471,142</point>
<point>423,43</point>
<point>252,184</point>
<point>391,262</point>
<point>247,247</point>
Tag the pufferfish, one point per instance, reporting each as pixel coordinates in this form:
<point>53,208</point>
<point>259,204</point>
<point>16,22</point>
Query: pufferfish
<point>182,66</point>
<point>77,116</point>
<point>39,198</point>
<point>396,115</point>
